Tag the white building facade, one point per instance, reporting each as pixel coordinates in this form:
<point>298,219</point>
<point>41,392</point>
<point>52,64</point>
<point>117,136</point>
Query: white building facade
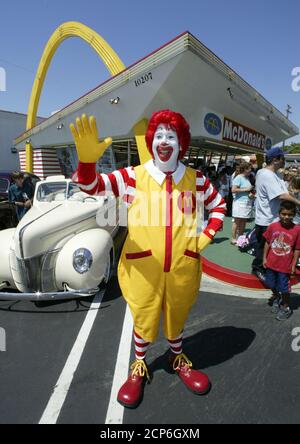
<point>11,125</point>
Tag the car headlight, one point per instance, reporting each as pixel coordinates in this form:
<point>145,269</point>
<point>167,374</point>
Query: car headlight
<point>82,260</point>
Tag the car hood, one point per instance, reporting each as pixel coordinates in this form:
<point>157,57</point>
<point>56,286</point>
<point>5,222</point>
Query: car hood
<point>49,225</point>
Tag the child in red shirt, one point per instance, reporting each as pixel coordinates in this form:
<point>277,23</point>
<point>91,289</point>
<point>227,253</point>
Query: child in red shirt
<point>281,254</point>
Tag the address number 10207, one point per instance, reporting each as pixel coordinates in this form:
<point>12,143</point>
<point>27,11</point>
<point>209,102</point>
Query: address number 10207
<point>145,78</point>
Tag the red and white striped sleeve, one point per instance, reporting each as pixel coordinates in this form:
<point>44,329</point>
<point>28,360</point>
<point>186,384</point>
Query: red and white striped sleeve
<point>213,203</point>
<point>121,183</point>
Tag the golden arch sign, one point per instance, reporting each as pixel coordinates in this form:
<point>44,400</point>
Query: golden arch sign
<point>66,30</point>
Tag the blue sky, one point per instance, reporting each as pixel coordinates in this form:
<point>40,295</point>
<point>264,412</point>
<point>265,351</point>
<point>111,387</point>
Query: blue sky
<point>258,39</point>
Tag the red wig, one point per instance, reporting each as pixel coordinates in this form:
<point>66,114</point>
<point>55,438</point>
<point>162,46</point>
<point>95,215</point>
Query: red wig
<point>176,122</point>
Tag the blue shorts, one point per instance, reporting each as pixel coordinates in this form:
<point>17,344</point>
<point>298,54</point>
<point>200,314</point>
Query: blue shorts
<point>278,281</point>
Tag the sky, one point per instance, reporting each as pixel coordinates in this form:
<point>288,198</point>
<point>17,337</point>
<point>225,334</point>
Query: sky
<point>259,39</point>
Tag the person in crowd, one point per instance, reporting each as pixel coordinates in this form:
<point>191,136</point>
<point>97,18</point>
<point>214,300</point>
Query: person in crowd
<point>20,194</point>
<point>281,253</point>
<point>229,172</point>
<point>242,203</point>
<point>235,173</point>
<point>252,176</point>
<point>270,191</point>
<point>294,190</point>
<point>212,175</point>
<point>223,185</point>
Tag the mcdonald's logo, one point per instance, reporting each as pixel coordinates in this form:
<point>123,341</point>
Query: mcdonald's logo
<point>187,202</point>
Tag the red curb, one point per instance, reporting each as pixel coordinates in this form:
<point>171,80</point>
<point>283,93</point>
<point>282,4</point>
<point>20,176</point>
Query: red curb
<point>235,277</point>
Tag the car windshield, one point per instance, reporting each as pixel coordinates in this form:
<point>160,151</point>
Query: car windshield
<point>4,184</point>
<point>73,189</point>
<point>58,191</point>
<point>52,191</point>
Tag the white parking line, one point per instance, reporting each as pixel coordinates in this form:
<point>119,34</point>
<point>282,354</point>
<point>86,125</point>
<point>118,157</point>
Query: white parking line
<point>61,389</point>
<point>115,411</point>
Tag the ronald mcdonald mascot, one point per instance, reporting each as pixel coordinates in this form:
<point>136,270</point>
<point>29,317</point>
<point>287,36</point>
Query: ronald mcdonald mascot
<point>160,268</point>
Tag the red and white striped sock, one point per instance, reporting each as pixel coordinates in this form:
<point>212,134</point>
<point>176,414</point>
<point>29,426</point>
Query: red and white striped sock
<point>141,346</point>
<point>176,345</point>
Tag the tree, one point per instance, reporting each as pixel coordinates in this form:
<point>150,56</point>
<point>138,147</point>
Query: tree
<point>293,148</point>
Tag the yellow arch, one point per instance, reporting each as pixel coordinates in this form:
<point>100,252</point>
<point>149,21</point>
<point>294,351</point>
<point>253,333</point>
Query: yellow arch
<point>66,30</point>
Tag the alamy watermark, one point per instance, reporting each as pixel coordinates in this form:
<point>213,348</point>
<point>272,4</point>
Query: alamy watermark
<point>296,81</point>
<point>2,340</point>
<point>157,209</point>
<point>2,79</point>
<point>296,341</point>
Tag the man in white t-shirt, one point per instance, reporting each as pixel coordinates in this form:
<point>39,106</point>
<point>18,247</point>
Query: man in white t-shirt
<point>270,191</point>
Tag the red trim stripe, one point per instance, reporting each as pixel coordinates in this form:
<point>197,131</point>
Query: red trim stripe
<point>114,184</point>
<point>211,197</point>
<point>236,277</point>
<point>140,355</point>
<point>40,158</point>
<point>128,198</point>
<point>176,350</point>
<point>48,163</point>
<point>45,159</point>
<point>214,224</point>
<point>124,175</point>
<point>192,254</point>
<point>40,168</point>
<point>137,335</point>
<point>169,220</point>
<point>218,209</point>
<point>93,191</point>
<point>100,185</point>
<point>205,186</point>
<point>43,170</point>
<point>144,345</point>
<point>45,155</point>
<point>138,255</point>
<point>176,341</point>
<point>129,181</point>
<point>46,166</point>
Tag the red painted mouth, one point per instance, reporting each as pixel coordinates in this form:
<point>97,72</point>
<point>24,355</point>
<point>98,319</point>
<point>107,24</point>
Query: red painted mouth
<point>164,152</point>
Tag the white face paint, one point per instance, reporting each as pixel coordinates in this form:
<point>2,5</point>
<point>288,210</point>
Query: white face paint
<point>165,147</point>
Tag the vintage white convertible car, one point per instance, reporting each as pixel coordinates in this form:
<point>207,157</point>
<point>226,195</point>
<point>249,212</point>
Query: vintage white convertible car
<point>58,250</point>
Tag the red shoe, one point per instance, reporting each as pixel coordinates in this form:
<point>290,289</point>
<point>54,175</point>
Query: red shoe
<point>131,393</point>
<point>194,380</point>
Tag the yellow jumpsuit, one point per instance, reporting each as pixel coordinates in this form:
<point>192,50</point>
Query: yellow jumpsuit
<point>160,268</point>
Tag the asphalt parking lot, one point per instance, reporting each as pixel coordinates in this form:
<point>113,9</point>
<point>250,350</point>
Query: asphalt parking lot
<point>247,354</point>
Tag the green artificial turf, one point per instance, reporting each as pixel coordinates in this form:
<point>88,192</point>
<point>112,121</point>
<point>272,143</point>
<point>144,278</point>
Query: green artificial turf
<point>221,252</point>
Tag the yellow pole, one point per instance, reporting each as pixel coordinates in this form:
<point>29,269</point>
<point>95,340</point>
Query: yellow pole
<point>140,129</point>
<point>29,158</point>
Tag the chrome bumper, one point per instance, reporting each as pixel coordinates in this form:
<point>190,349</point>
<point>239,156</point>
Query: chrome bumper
<point>50,296</point>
